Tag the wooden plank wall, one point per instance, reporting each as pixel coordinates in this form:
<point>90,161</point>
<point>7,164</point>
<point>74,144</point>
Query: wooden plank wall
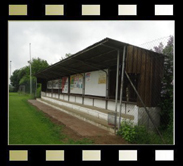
<point>149,67</point>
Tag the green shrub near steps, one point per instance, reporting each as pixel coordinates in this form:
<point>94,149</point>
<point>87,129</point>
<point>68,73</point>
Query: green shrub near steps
<point>140,135</point>
<point>137,134</point>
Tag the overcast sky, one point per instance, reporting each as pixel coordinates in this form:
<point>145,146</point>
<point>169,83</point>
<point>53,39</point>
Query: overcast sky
<point>51,40</point>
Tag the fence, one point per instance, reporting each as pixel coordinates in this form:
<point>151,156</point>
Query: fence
<point>34,89</point>
<point>155,121</point>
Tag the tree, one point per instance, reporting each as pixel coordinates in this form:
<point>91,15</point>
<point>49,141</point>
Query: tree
<point>15,79</point>
<point>38,64</point>
<point>67,55</point>
<point>167,84</point>
<point>22,76</point>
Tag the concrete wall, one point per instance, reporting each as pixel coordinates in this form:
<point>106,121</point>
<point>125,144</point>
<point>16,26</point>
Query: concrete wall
<point>127,108</point>
<point>100,103</point>
<point>88,101</point>
<point>78,99</point>
<point>139,113</point>
<point>72,98</point>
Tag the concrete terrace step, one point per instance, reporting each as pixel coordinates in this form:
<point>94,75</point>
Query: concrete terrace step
<point>94,115</point>
<point>80,115</point>
<point>90,109</point>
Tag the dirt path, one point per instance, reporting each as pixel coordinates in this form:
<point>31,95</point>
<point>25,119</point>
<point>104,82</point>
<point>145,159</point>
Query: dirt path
<point>78,129</point>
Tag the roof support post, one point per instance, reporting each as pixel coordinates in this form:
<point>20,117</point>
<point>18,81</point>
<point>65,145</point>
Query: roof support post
<point>107,88</point>
<point>69,88</point>
<point>121,88</point>
<point>116,95</point>
<point>52,89</point>
<point>83,90</point>
<point>46,87</point>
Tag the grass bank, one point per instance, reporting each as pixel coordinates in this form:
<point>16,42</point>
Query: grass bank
<point>27,125</point>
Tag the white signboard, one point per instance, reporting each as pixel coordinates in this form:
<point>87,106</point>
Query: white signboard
<point>76,83</point>
<point>64,85</point>
<point>49,85</point>
<point>56,84</point>
<point>95,83</point>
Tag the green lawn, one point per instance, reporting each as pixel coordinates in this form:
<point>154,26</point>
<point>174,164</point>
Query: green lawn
<point>27,125</point>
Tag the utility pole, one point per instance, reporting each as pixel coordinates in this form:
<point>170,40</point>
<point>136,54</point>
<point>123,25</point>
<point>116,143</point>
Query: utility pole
<point>30,69</point>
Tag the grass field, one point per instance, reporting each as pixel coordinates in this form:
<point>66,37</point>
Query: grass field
<point>27,125</point>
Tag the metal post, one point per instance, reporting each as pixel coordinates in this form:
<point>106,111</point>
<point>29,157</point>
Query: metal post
<point>116,95</point>
<point>52,88</point>
<point>30,69</point>
<point>83,91</point>
<point>144,106</point>
<point>121,88</point>
<point>107,88</point>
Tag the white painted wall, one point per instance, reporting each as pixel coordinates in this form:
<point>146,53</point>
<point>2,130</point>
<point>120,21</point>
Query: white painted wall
<point>126,108</point>
<point>48,94</point>
<point>78,99</point>
<point>65,97</point>
<point>88,101</point>
<point>99,103</point>
<point>72,98</point>
<point>61,96</point>
<point>139,113</point>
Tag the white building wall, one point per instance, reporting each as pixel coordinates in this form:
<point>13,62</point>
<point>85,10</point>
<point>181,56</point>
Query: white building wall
<point>72,98</point>
<point>88,101</point>
<point>65,97</point>
<point>126,108</point>
<point>78,99</point>
<point>61,97</point>
<point>99,103</point>
<point>139,113</point>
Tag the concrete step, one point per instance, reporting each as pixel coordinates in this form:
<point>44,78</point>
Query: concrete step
<point>92,110</point>
<point>92,119</point>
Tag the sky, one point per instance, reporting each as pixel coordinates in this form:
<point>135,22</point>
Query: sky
<point>51,40</point>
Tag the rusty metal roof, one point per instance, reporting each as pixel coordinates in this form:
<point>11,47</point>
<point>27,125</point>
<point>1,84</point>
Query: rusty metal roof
<point>98,56</point>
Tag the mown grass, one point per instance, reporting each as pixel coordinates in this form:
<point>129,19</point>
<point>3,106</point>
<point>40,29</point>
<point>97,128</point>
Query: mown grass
<point>27,125</point>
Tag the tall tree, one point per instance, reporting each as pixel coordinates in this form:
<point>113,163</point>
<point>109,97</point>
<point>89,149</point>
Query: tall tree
<point>67,55</point>
<point>38,64</point>
<point>22,76</point>
<point>167,84</point>
<point>15,79</point>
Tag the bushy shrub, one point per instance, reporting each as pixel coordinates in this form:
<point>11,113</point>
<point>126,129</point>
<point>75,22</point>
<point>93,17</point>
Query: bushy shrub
<point>127,131</point>
<point>140,135</point>
<point>38,90</point>
<point>134,134</point>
